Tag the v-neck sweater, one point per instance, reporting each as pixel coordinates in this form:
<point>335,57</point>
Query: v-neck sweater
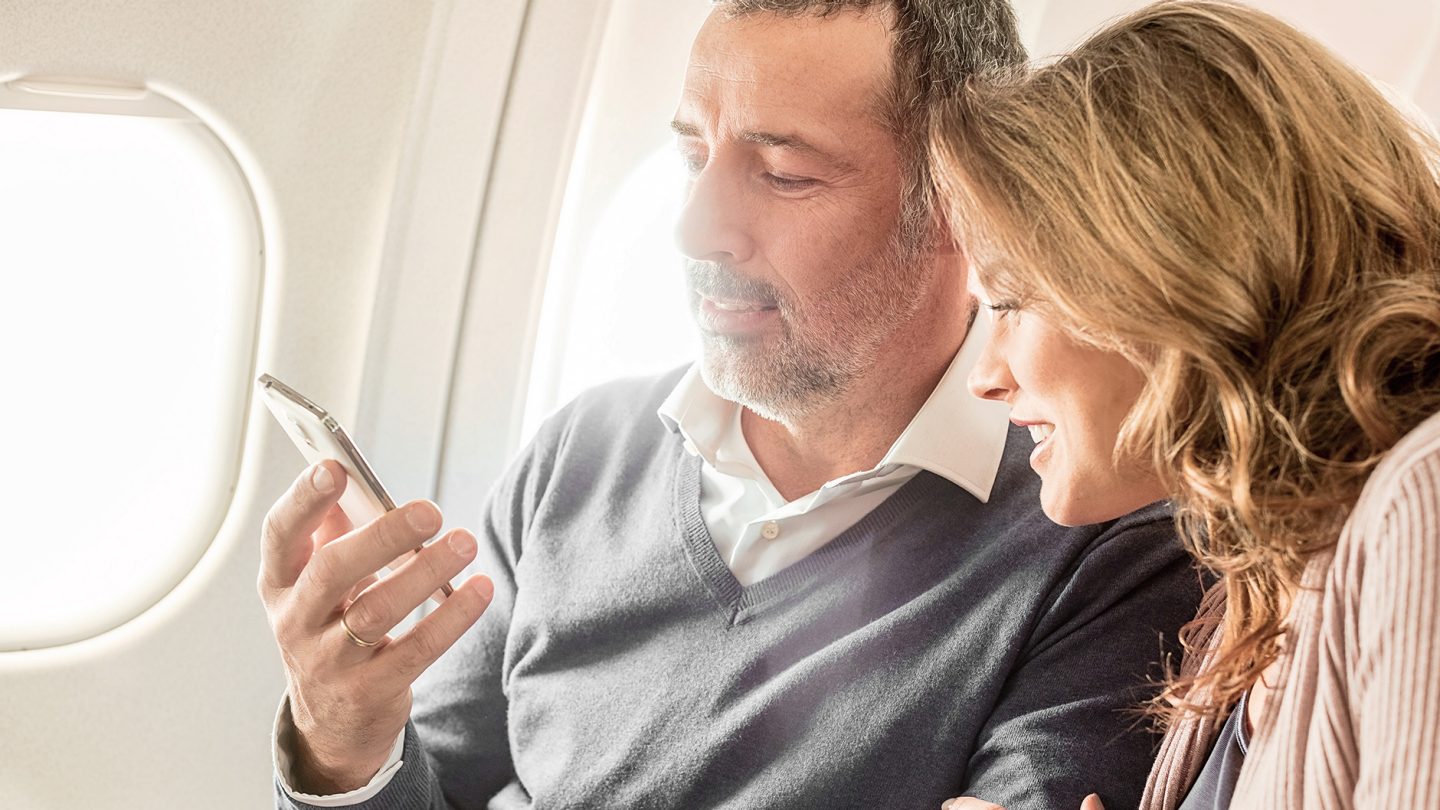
<point>939,646</point>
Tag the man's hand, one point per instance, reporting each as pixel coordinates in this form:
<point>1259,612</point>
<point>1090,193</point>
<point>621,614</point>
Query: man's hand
<point>1091,802</point>
<point>349,701</point>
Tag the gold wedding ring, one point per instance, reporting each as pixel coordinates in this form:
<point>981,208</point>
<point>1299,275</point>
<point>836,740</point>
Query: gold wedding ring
<point>354,639</point>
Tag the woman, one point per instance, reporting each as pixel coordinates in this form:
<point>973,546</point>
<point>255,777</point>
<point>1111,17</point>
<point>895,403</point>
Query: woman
<point>1210,249</point>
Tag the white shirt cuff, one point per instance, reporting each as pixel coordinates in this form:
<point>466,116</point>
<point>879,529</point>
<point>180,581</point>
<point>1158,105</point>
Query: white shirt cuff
<point>284,758</point>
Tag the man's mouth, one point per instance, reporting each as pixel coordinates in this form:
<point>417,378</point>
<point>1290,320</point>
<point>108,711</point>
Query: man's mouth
<point>736,318</point>
<point>739,306</point>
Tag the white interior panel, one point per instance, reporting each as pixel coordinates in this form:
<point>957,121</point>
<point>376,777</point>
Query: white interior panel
<point>1393,41</point>
<point>430,243</point>
<point>615,303</point>
<point>548,89</point>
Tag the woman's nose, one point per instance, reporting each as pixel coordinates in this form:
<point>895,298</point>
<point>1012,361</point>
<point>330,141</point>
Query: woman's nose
<point>991,378</point>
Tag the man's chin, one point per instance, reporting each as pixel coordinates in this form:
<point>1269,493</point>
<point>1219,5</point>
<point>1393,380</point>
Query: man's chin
<point>754,380</point>
<point>739,380</point>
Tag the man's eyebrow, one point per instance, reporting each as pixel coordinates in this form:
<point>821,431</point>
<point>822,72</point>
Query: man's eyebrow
<point>769,139</point>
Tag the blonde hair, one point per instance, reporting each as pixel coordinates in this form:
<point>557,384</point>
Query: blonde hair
<point>1214,194</point>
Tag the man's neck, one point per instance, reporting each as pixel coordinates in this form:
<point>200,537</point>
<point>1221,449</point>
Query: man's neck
<point>855,432</point>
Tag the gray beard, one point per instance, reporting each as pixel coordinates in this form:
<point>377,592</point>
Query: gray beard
<point>823,346</point>
<point>779,386</point>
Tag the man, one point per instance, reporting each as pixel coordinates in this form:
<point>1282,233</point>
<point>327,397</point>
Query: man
<point>789,590</point>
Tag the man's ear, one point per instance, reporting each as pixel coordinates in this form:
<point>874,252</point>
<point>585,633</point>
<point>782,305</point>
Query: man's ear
<point>943,237</point>
<point>951,253</point>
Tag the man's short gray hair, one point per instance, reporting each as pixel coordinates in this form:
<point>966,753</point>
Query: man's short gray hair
<point>938,45</point>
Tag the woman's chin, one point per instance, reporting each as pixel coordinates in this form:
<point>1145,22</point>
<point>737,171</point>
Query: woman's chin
<point>1067,517</point>
<point>1071,511</point>
<point>1067,510</point>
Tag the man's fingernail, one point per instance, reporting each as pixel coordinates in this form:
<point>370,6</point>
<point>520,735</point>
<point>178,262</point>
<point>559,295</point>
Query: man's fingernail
<point>421,518</point>
<point>485,588</point>
<point>461,543</point>
<point>322,479</point>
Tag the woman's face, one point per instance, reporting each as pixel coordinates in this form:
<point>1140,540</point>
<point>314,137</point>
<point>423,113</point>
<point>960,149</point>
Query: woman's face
<point>1073,397</point>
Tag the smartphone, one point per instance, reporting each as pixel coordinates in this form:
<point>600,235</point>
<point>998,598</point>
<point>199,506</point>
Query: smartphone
<point>319,436</point>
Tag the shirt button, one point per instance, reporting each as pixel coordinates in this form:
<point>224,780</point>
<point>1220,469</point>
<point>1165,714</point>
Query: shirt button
<point>770,530</point>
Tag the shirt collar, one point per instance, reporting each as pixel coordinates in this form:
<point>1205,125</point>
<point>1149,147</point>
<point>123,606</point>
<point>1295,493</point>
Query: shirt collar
<point>954,434</point>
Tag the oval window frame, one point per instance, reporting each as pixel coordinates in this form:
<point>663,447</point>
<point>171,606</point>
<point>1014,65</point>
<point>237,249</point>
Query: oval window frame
<point>99,96</point>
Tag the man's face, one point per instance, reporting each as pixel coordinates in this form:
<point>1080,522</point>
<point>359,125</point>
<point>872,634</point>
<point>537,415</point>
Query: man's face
<point>799,271</point>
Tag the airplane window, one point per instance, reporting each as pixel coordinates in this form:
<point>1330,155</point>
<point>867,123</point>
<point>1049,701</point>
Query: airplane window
<point>131,258</point>
<point>618,309</point>
<point>615,301</point>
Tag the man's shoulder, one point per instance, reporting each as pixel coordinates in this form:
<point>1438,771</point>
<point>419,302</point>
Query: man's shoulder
<point>620,411</point>
<point>627,399</point>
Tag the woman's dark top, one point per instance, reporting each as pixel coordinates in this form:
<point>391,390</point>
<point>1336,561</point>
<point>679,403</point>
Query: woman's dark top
<point>1216,783</point>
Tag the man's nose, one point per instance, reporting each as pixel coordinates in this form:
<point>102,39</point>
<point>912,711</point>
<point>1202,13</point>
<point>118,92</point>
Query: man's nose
<point>991,378</point>
<point>713,225</point>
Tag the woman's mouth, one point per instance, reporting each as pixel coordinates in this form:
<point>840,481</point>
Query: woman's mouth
<point>1042,433</point>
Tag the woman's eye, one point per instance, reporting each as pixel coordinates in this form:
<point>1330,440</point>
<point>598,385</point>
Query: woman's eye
<point>1002,308</point>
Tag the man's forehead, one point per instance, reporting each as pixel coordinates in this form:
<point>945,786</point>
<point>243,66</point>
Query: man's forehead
<point>834,68</point>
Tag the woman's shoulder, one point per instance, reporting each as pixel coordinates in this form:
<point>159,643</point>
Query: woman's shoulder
<point>1420,443</point>
<point>1408,476</point>
<point>1396,520</point>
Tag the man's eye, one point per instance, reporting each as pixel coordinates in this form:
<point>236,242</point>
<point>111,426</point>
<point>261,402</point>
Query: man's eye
<point>789,183</point>
<point>693,156</point>
<point>692,163</point>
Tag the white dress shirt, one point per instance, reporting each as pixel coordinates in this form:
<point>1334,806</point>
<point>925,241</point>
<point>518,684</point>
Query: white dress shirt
<point>757,532</point>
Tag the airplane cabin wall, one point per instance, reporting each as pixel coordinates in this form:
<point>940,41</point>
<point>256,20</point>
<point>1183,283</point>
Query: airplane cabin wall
<point>317,101</point>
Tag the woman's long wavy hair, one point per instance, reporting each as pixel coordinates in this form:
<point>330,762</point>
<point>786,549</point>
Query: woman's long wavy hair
<point>1255,226</point>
